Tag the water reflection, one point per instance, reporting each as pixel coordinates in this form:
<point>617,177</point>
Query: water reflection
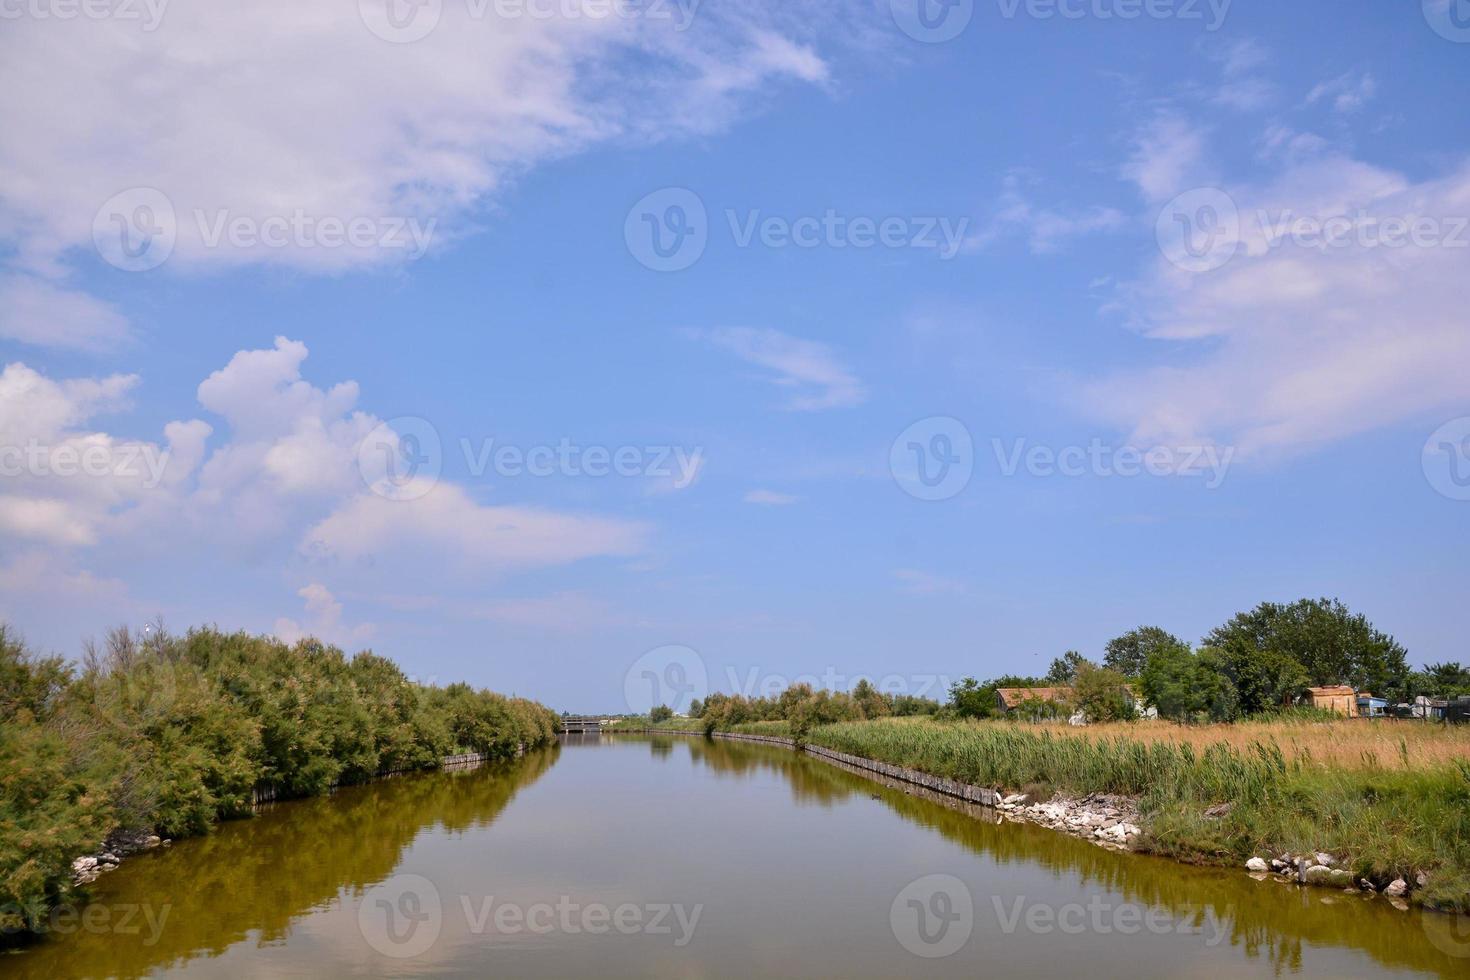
<point>1268,919</point>
<point>795,864</point>
<point>255,879</point>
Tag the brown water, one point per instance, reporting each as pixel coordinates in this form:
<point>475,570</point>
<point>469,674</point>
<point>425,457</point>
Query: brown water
<point>679,857</point>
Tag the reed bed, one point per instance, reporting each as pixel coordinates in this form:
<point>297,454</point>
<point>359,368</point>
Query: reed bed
<point>1223,800</point>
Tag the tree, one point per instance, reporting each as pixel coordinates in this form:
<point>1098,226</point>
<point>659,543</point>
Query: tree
<point>968,698</point>
<point>696,708</point>
<point>1331,643</point>
<point>1064,668</point>
<point>870,700</point>
<point>1101,694</point>
<point>1129,654</point>
<point>1184,685</point>
<point>1263,679</point>
<point>660,713</point>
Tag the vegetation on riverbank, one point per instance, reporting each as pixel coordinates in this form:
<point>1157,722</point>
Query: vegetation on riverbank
<point>158,734</point>
<point>1225,794</point>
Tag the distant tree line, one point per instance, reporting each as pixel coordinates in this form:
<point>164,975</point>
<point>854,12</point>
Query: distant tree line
<point>804,707</point>
<point>166,734</point>
<point>1260,661</point>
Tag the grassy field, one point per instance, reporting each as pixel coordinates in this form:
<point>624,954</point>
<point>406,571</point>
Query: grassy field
<point>1388,799</point>
<point>1350,744</point>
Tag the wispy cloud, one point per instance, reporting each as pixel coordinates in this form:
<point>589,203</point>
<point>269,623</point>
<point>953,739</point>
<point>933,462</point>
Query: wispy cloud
<point>917,582</point>
<point>1347,92</point>
<point>809,368</point>
<point>769,498</point>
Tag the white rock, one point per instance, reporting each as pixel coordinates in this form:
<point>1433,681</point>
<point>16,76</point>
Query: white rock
<point>1256,864</point>
<point>1396,888</point>
<point>1326,860</point>
<point>84,864</point>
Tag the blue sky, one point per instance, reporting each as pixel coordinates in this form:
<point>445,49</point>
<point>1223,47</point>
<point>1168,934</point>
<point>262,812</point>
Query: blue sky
<point>1104,235</point>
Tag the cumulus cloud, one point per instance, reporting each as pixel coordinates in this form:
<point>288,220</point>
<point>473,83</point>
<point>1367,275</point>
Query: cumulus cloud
<point>283,479</point>
<point>65,483</point>
<point>323,620</point>
<point>445,522</point>
<point>811,369</point>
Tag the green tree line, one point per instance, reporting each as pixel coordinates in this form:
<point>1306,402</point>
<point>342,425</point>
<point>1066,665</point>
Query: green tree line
<point>1258,662</point>
<point>163,734</point>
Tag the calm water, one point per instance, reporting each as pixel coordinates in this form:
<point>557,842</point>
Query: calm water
<point>677,857</point>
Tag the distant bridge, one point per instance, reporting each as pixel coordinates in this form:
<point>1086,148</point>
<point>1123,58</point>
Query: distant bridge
<point>581,725</point>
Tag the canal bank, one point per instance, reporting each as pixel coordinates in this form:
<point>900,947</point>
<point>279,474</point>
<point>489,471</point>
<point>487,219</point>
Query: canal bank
<point>1111,821</point>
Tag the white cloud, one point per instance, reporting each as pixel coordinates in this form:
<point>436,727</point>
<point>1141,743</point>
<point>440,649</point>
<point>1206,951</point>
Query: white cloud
<point>34,311</point>
<point>66,484</point>
<point>323,620</point>
<point>1167,157</point>
<point>286,480</point>
<point>446,524</point>
<point>1291,345</point>
<point>1241,87</point>
<point>1046,229</point>
<point>770,498</point>
<point>274,109</point>
<point>1347,92</point>
<point>811,369</point>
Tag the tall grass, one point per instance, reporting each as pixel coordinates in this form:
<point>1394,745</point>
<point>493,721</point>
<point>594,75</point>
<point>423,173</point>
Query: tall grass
<point>1381,821</point>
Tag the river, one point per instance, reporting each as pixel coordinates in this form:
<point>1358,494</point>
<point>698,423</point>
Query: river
<point>666,856</point>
